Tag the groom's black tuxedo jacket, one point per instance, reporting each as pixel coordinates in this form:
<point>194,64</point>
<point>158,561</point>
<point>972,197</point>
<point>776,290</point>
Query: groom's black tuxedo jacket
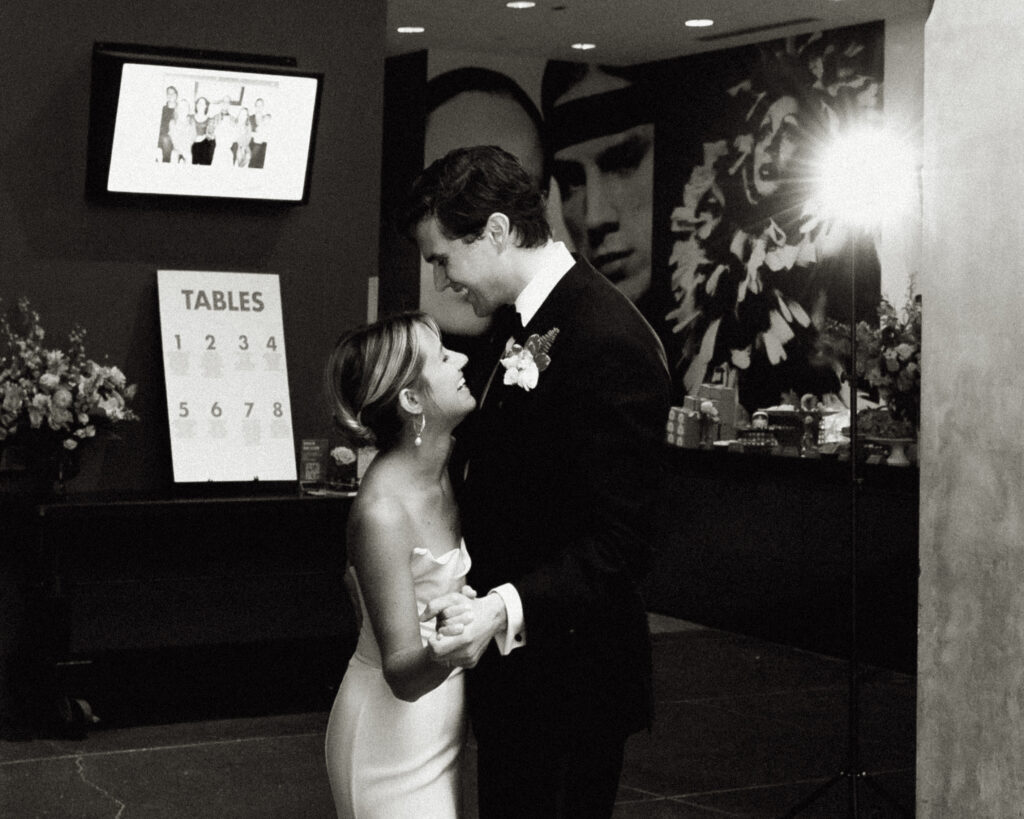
<point>557,501</point>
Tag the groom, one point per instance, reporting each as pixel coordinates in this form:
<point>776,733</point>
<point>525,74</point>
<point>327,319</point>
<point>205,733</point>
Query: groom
<point>562,463</point>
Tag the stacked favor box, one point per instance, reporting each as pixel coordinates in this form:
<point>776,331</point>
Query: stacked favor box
<point>683,427</point>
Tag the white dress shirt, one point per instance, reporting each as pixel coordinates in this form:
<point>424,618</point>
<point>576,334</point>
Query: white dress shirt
<point>554,265</point>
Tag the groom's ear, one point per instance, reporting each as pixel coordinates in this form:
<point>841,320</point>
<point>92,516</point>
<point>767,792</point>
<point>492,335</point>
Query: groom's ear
<point>498,229</point>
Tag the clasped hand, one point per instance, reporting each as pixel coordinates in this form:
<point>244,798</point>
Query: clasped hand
<point>465,626</point>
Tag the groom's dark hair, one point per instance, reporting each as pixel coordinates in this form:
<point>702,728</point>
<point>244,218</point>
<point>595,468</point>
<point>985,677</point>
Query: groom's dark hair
<point>465,186</point>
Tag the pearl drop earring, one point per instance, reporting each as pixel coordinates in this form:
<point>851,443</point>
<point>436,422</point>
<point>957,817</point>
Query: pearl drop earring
<point>418,440</point>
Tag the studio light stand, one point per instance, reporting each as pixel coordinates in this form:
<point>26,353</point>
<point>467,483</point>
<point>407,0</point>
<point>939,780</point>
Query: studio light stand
<point>851,773</point>
<point>842,174</point>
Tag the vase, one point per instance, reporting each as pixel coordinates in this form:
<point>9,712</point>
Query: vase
<point>898,452</point>
<point>39,473</point>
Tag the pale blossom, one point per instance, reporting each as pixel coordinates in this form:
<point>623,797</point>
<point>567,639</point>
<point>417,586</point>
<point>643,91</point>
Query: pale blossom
<point>38,409</point>
<point>13,397</point>
<point>116,377</point>
<point>343,456</point>
<point>113,407</point>
<point>709,409</point>
<point>59,417</point>
<point>521,370</point>
<point>905,351</point>
<point>62,398</point>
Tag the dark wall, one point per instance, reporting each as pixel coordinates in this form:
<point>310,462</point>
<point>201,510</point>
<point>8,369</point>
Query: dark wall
<point>93,263</point>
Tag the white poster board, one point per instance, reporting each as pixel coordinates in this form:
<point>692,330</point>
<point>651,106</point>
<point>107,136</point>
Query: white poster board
<point>225,369</point>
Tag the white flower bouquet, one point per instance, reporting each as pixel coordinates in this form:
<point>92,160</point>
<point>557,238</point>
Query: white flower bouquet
<point>51,396</point>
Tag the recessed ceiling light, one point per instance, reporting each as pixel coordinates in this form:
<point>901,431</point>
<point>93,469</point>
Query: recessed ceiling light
<point>520,4</point>
<point>410,29</point>
<point>699,23</point>
<point>583,46</point>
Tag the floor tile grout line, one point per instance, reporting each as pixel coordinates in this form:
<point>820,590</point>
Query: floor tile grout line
<point>775,692</point>
<point>767,786</point>
<point>154,748</point>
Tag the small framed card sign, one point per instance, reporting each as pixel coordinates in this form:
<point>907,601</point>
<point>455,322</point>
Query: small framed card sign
<point>226,375</point>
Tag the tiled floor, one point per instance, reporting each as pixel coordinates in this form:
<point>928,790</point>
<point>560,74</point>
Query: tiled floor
<point>744,729</point>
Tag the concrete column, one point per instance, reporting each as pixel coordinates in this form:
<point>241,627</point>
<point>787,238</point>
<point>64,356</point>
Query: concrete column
<point>970,744</point>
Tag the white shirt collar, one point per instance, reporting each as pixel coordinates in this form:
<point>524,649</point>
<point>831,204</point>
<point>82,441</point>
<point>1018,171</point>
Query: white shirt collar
<point>553,266</point>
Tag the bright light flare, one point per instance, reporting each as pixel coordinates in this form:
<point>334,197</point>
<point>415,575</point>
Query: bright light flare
<point>864,176</point>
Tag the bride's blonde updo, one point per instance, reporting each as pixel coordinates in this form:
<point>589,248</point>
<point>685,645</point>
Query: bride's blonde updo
<point>366,372</point>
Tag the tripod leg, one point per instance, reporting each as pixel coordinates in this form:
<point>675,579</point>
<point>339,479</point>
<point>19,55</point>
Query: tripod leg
<point>813,796</point>
<point>888,797</point>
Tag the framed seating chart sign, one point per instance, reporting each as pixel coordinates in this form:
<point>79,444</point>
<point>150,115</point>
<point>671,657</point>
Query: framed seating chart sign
<point>226,375</point>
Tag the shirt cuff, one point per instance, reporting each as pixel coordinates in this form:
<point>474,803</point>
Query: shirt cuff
<point>515,634</point>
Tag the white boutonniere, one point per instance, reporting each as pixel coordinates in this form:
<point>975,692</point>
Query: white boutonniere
<point>525,362</point>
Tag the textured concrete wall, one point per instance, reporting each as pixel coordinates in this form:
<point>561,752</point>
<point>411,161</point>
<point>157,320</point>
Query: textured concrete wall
<point>971,643</point>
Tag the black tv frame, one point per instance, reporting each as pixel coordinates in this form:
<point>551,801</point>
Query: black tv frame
<point>108,64</point>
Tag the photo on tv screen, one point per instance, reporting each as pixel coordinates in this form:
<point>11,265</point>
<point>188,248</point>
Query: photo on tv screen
<point>170,124</point>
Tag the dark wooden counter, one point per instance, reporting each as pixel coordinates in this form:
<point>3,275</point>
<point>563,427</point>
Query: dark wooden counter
<point>180,599</point>
<point>761,545</point>
<point>160,607</point>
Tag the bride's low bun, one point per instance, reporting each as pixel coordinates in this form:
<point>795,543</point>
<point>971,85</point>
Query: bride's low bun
<point>366,372</point>
<point>355,433</point>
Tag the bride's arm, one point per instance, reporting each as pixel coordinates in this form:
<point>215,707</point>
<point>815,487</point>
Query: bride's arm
<point>379,549</point>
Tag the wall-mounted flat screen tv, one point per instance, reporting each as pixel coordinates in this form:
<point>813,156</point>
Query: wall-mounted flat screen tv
<point>181,123</point>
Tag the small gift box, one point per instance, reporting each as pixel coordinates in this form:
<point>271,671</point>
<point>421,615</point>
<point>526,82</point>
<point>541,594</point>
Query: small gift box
<point>691,403</point>
<point>683,427</point>
<point>726,402</point>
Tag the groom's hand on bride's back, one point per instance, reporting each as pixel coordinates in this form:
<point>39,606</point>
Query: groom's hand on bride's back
<point>465,626</point>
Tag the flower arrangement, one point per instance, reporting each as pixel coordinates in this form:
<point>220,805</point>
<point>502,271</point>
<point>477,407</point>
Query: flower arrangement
<point>51,396</point>
<point>342,469</point>
<point>524,363</point>
<point>888,362</point>
<point>709,422</point>
<point>343,456</point>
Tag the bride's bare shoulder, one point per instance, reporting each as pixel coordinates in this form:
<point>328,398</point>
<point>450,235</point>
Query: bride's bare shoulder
<point>379,508</point>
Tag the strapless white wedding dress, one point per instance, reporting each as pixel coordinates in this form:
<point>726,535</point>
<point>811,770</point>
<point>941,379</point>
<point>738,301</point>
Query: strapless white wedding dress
<point>389,759</point>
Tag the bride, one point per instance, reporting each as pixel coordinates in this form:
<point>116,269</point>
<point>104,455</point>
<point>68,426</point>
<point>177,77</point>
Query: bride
<point>397,726</point>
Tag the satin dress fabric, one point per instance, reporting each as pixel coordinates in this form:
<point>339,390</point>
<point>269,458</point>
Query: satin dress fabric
<point>387,758</point>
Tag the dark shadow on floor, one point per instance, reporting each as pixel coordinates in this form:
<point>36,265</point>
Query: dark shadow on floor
<point>744,728</point>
